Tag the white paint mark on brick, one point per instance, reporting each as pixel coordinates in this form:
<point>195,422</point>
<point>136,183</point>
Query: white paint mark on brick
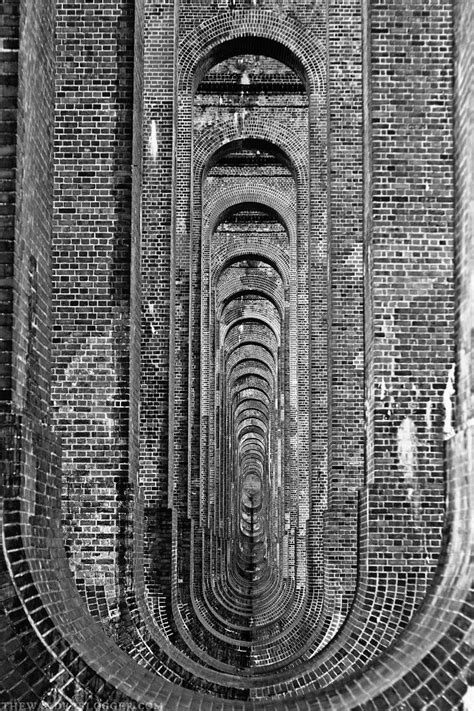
<point>468,699</point>
<point>153,140</point>
<point>448,428</point>
<point>245,79</point>
<point>407,447</point>
<point>429,408</point>
<point>391,405</point>
<point>109,424</point>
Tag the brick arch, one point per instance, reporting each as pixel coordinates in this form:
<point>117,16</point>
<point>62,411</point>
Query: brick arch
<point>252,405</point>
<point>254,291</point>
<point>205,45</point>
<point>254,128</point>
<point>226,278</point>
<point>245,406</point>
<point>260,318</point>
<point>243,204</point>
<point>251,443</point>
<point>250,353</point>
<point>270,253</point>
<point>254,329</point>
<point>239,252</point>
<point>252,309</point>
<point>243,420</point>
<point>245,426</point>
<point>250,428</point>
<point>250,143</point>
<point>266,195</point>
<point>239,394</point>
<point>252,342</point>
<point>257,364</point>
<point>249,380</point>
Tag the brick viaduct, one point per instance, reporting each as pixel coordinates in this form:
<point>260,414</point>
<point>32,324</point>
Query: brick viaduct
<point>236,356</point>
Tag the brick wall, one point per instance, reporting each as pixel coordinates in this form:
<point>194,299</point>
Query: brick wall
<point>9,67</point>
<point>255,289</point>
<point>91,283</point>
<point>26,111</point>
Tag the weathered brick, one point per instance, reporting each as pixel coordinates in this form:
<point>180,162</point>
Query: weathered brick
<point>239,224</point>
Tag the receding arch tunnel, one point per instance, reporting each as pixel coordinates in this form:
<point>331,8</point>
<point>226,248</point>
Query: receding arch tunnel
<point>250,214</point>
<point>235,358</point>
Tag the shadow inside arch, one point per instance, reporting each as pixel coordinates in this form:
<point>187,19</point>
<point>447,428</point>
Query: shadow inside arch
<point>251,32</point>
